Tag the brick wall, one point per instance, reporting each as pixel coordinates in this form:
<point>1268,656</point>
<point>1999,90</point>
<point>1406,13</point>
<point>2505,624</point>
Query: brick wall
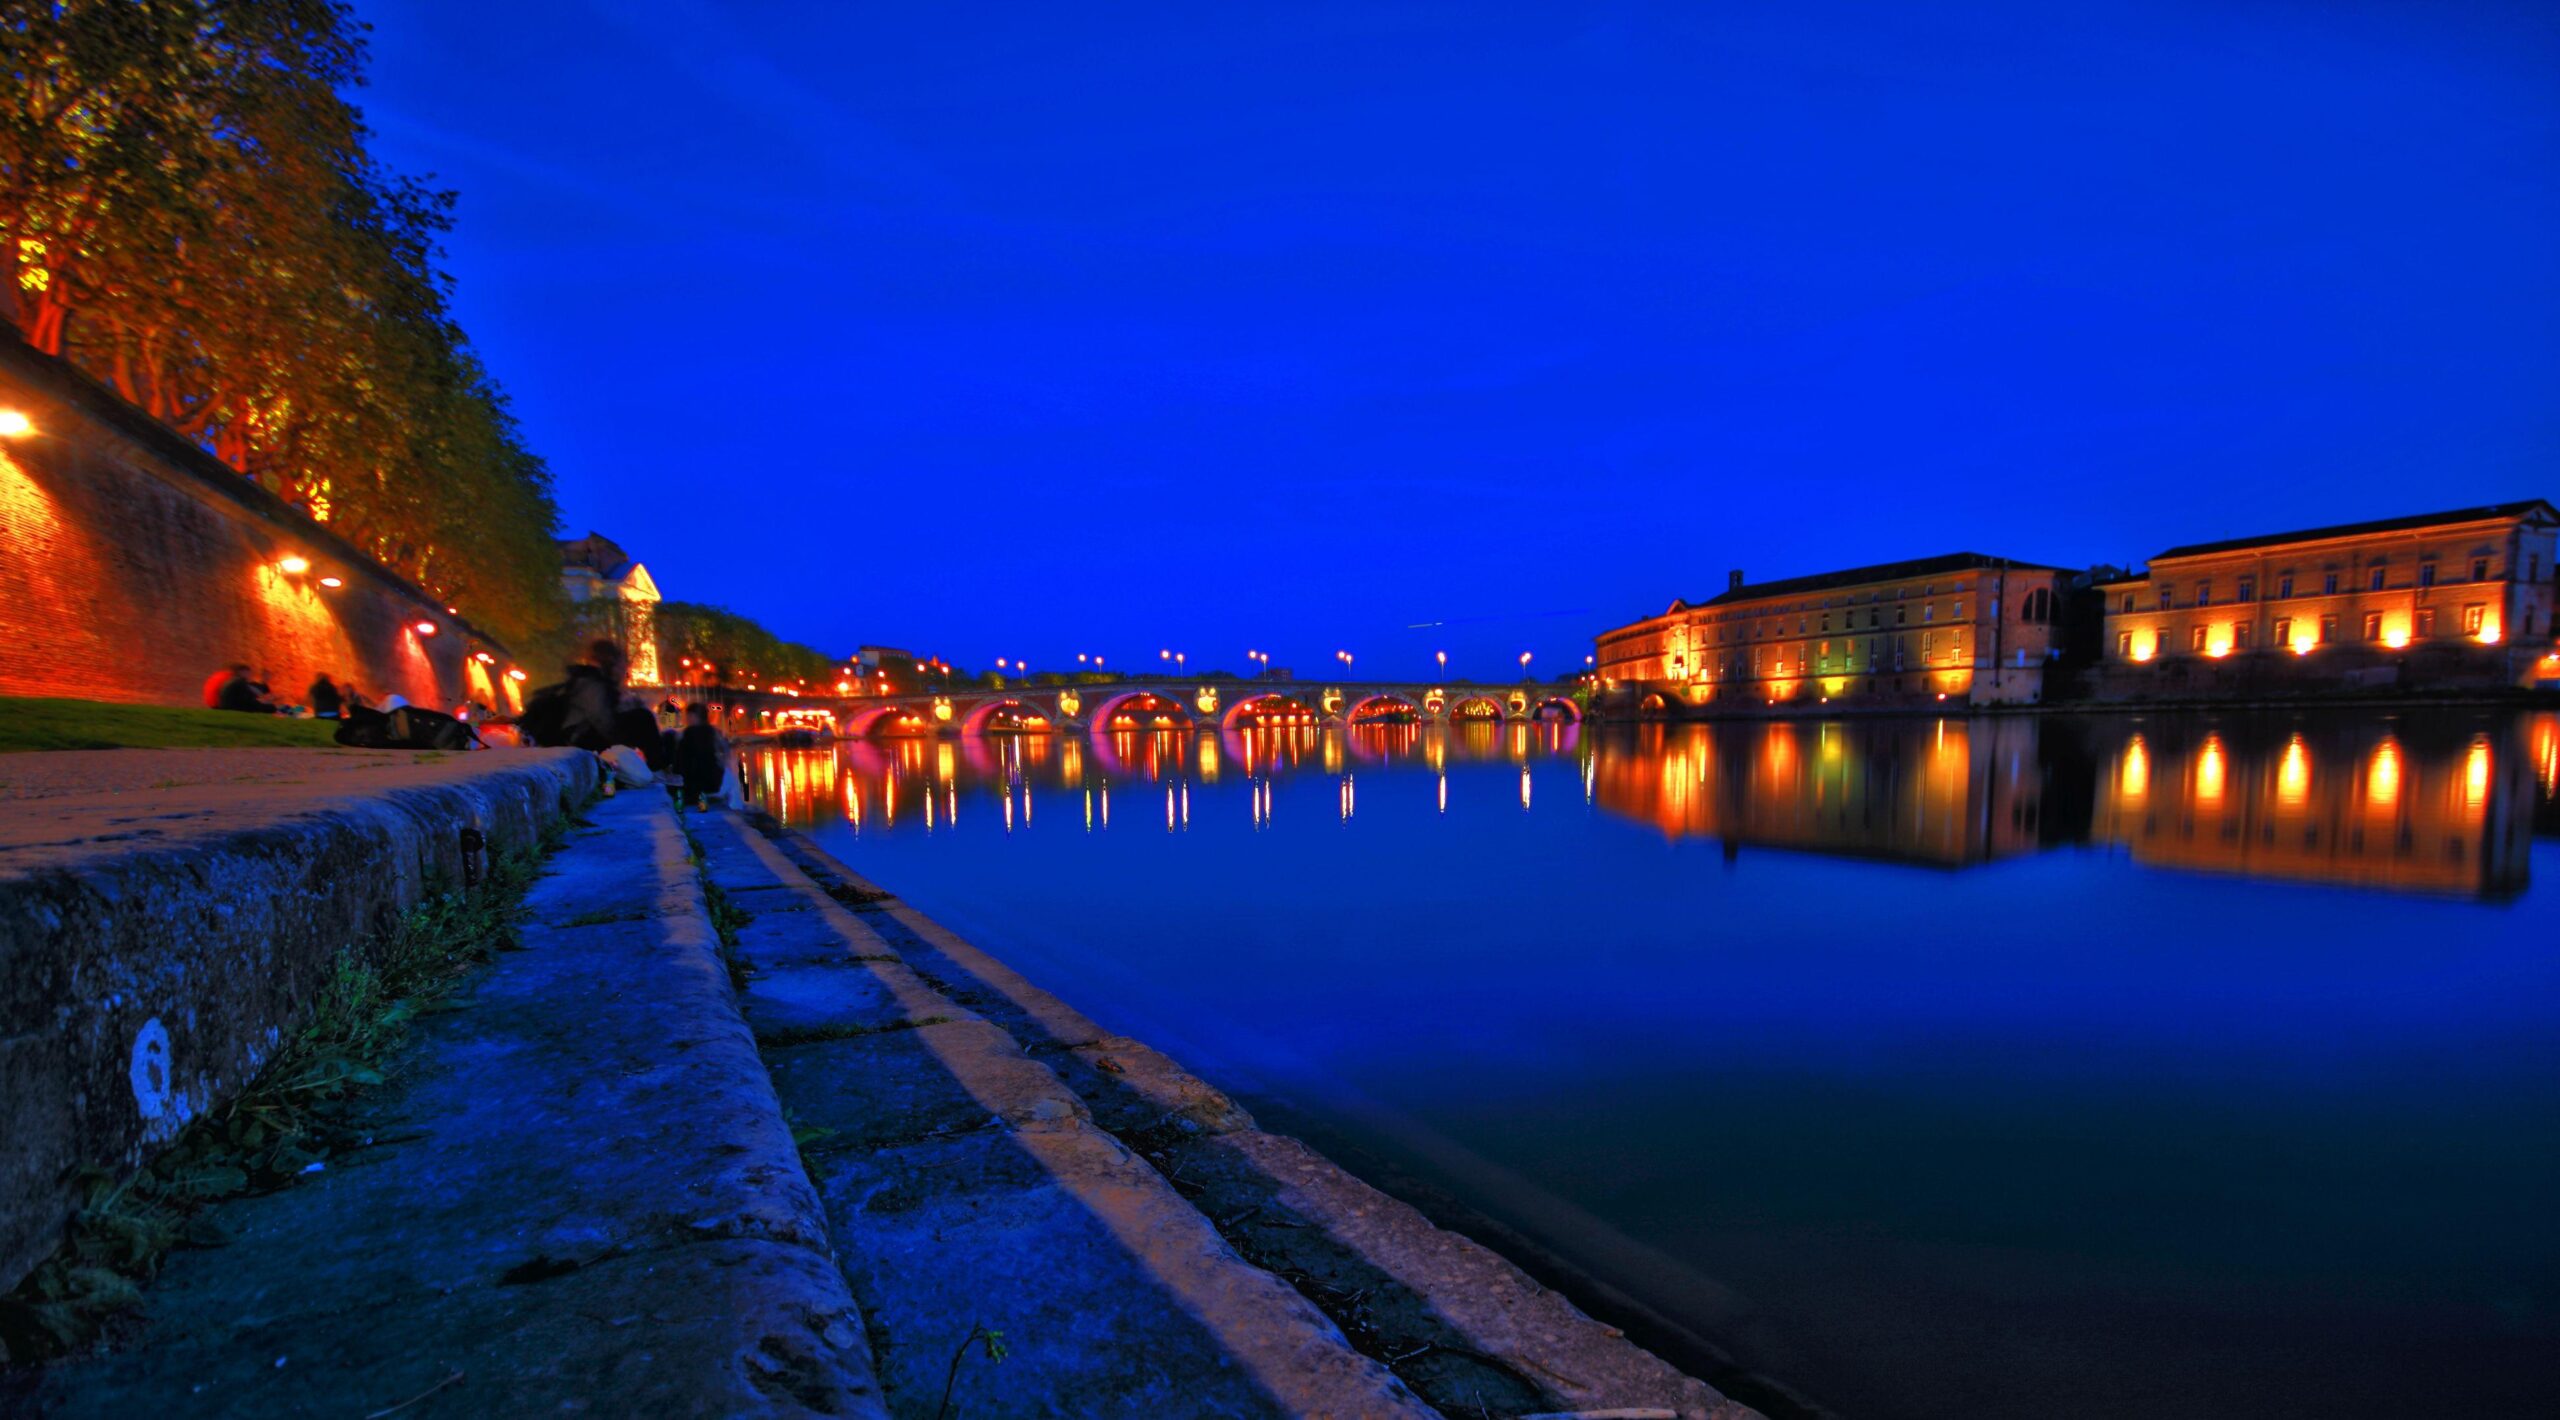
<point>133,564</point>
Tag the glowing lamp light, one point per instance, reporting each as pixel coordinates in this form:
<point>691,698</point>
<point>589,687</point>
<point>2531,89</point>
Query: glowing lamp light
<point>333,582</point>
<point>426,628</point>
<point>2396,637</point>
<point>293,566</point>
<point>484,658</point>
<point>515,673</point>
<point>14,425</point>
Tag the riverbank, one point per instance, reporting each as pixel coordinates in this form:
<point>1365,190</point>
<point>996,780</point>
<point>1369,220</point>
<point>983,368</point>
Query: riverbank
<point>880,1167</point>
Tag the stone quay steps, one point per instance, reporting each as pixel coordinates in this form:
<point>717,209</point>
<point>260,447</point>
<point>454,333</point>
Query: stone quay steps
<point>968,1190</point>
<point>580,1196</point>
<point>1300,1269</point>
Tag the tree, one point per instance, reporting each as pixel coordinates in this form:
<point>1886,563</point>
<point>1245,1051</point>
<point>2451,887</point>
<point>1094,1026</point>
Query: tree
<point>188,211</point>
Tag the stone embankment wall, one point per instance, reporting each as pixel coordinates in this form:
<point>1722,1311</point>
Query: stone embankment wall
<point>156,944</point>
<point>133,564</point>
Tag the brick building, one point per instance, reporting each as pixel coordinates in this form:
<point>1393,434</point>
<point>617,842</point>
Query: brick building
<point>1962,629</point>
<point>2452,599</point>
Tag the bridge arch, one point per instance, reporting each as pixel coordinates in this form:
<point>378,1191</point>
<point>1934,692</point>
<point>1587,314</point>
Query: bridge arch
<point>1475,705</point>
<point>1142,706</point>
<point>1567,711</point>
<point>1656,705</point>
<point>868,721</point>
<point>995,711</point>
<point>1382,702</point>
<point>1255,708</point>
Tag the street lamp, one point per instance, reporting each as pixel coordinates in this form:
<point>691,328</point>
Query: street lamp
<point>1443,658</point>
<point>15,425</point>
<point>1524,665</point>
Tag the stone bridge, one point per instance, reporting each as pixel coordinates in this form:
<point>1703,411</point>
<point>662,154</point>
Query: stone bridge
<point>1171,704</point>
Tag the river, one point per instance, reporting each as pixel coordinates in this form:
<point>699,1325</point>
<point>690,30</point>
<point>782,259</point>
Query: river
<point>2022,1066</point>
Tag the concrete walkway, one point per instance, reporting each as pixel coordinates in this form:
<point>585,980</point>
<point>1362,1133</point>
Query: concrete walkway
<point>582,1198</point>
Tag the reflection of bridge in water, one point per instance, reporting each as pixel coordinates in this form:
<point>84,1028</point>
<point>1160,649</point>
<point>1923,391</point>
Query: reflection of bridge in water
<point>2441,804</point>
<point>1180,705</point>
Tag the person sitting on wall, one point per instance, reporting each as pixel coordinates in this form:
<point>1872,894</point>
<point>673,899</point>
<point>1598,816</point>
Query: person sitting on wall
<point>326,702</point>
<point>240,693</point>
<point>592,710</point>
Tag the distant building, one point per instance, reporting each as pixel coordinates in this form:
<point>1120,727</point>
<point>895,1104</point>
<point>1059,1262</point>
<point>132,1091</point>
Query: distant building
<point>1964,629</point>
<point>888,670</point>
<point>614,596</point>
<point>2452,599</point>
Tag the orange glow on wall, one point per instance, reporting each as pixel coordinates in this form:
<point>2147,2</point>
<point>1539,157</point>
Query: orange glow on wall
<point>2475,776</point>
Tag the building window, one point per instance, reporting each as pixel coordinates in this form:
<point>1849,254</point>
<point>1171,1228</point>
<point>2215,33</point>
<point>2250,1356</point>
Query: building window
<point>2124,644</point>
<point>1826,621</point>
<point>2248,589</point>
<point>2204,593</point>
<point>2533,567</point>
<point>2426,622</point>
<point>2328,629</point>
<point>2195,638</point>
<point>2471,616</point>
<point>1928,646</point>
<point>1902,616</point>
<point>2284,631</point>
<point>2126,605</point>
<point>2240,635</point>
<point>1958,613</point>
<point>2373,626</point>
<point>2426,574</point>
<point>1928,611</point>
<point>2284,586</point>
<point>2479,569</point>
<point>2374,582</point>
<point>1874,617</point>
<point>2166,598</point>
<point>2329,584</point>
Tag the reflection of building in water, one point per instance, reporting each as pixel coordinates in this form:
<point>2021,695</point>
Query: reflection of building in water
<point>1941,791</point>
<point>2416,809</point>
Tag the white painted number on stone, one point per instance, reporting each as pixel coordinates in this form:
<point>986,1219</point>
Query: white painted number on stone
<point>152,1087</point>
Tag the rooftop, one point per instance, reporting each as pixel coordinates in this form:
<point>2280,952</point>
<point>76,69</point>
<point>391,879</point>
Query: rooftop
<point>2489,513</point>
<point>1881,572</point>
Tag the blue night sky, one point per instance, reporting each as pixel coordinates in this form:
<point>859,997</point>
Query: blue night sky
<point>1037,329</point>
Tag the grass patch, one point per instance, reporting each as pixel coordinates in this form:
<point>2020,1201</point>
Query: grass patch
<point>285,1123</point>
<point>43,724</point>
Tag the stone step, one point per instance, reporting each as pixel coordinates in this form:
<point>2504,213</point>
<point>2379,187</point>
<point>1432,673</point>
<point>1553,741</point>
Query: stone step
<point>1468,1330</point>
<point>969,1190</point>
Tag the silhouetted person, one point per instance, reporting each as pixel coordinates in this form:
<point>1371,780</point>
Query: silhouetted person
<point>326,702</point>
<point>592,710</point>
<point>240,693</point>
<point>701,757</point>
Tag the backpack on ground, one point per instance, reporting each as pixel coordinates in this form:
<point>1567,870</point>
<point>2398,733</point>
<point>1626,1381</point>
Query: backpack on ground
<point>409,727</point>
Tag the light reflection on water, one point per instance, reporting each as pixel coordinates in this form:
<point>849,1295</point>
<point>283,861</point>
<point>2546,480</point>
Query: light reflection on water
<point>2004,1066</point>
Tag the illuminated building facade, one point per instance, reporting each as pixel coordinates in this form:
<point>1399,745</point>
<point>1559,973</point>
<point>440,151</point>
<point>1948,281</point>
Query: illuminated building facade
<point>2460,598</point>
<point>615,596</point>
<point>1959,630</point>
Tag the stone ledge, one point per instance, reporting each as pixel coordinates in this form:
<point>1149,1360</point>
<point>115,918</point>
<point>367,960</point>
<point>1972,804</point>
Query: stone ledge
<point>154,945</point>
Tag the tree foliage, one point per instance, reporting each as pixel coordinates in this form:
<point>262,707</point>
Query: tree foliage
<point>188,211</point>
<point>739,652</point>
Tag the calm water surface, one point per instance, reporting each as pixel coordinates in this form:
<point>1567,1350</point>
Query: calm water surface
<point>2066,1067</point>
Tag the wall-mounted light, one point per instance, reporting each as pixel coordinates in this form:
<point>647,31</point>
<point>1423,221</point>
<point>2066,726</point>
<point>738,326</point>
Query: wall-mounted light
<point>426,628</point>
<point>293,566</point>
<point>15,425</point>
<point>515,673</point>
<point>484,658</point>
<point>332,582</point>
